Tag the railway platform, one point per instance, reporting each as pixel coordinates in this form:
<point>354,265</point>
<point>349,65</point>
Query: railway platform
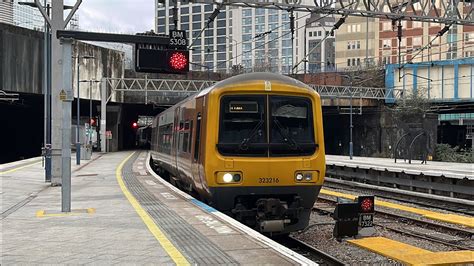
<point>122,213</point>
<point>431,168</point>
<point>452,180</point>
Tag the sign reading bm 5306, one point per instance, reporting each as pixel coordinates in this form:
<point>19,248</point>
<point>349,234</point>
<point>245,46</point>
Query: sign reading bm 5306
<point>178,39</point>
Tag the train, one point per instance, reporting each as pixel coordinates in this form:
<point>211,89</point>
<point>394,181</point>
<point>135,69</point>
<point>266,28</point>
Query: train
<point>143,137</point>
<point>251,146</point>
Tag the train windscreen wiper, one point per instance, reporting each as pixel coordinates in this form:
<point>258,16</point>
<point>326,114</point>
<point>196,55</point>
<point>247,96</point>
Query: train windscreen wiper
<point>286,137</point>
<point>244,144</point>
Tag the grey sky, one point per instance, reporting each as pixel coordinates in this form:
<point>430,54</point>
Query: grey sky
<point>117,16</point>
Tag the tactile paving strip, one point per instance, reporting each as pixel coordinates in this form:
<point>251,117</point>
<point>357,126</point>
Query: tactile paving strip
<point>194,246</point>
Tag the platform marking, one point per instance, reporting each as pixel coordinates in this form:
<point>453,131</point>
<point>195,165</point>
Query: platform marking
<point>444,217</point>
<point>18,168</point>
<point>43,213</point>
<point>411,255</point>
<point>214,224</point>
<point>150,182</point>
<point>294,256</point>
<point>172,251</point>
<point>169,196</point>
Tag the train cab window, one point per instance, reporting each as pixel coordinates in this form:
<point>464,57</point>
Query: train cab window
<point>291,126</point>
<point>264,125</point>
<point>198,136</point>
<point>243,126</point>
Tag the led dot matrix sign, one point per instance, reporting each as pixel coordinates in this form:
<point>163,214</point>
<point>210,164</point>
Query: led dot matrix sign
<point>165,58</point>
<point>366,211</point>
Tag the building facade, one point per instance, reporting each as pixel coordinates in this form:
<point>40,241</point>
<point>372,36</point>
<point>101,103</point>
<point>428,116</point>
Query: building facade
<point>28,17</point>
<point>6,12</point>
<point>356,43</point>
<point>321,52</point>
<point>458,42</point>
<point>210,51</point>
<point>247,39</point>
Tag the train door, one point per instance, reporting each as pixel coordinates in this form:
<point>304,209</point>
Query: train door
<point>197,154</point>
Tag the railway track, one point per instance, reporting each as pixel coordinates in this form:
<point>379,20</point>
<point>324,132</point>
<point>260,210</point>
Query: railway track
<point>422,199</point>
<point>455,231</point>
<point>308,251</point>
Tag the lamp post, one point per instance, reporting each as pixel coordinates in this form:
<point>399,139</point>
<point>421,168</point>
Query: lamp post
<point>47,86</point>
<point>78,115</point>
<point>351,126</point>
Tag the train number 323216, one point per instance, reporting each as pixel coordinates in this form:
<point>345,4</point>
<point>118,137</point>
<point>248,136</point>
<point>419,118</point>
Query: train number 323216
<point>262,180</point>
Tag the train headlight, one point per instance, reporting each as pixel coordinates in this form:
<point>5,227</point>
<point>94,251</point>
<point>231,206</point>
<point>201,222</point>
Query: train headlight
<point>306,176</point>
<point>299,177</point>
<point>227,177</point>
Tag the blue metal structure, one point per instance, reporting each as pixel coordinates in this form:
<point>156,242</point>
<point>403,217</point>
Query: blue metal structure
<point>461,91</point>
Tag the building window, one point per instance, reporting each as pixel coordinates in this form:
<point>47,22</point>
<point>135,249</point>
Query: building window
<point>247,12</point>
<point>386,26</point>
<point>348,62</point>
<point>208,8</point>
<point>310,34</point>
<point>417,24</point>
<point>196,9</point>
<point>469,36</point>
<point>386,43</point>
<point>416,41</point>
<point>352,45</point>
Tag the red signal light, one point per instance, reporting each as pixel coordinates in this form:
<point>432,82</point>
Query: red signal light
<point>92,122</point>
<point>178,61</point>
<point>134,125</point>
<point>366,204</point>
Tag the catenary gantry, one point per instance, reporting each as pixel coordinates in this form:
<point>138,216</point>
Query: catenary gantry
<point>459,12</point>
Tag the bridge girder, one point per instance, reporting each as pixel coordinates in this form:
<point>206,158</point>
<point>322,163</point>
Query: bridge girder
<point>459,12</point>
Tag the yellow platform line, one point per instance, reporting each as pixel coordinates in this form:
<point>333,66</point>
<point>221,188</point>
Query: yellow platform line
<point>172,251</point>
<point>448,218</point>
<point>18,168</point>
<point>43,213</point>
<point>411,255</point>
<point>459,257</point>
<point>389,248</point>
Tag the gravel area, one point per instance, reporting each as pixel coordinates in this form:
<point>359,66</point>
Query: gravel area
<point>395,211</point>
<point>319,235</point>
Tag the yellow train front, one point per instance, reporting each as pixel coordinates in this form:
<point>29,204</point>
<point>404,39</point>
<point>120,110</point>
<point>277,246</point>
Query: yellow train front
<point>251,146</point>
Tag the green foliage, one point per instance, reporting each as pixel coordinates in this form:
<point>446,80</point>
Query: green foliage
<point>446,153</point>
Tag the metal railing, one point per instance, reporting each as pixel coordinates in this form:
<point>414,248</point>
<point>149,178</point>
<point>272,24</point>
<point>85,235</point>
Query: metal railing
<point>191,86</point>
<point>10,97</point>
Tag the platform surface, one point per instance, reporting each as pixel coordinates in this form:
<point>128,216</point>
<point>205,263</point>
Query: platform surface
<point>121,214</point>
<point>447,169</point>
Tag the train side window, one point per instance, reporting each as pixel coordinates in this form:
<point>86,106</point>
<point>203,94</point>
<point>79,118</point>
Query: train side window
<point>198,136</point>
<point>190,135</point>
<point>185,142</point>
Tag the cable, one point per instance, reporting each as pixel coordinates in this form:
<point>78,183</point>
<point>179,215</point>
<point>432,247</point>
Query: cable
<point>281,36</point>
<point>440,33</point>
<point>210,19</point>
<point>335,27</point>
